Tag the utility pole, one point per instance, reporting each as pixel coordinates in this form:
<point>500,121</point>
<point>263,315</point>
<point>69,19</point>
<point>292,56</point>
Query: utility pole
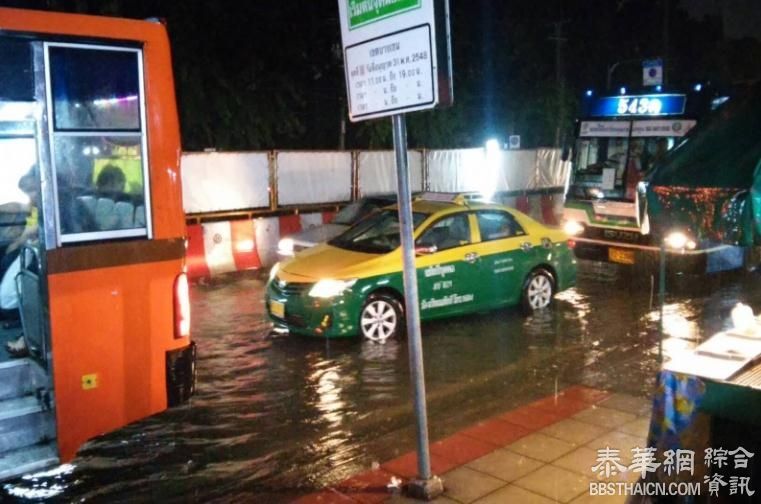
<point>559,40</point>
<point>666,60</point>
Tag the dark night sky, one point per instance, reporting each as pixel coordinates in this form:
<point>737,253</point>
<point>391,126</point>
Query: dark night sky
<point>742,18</point>
<point>260,75</point>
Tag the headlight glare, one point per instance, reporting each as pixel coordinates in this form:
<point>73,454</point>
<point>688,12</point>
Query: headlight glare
<point>572,228</point>
<point>285,246</point>
<point>679,241</point>
<point>328,288</point>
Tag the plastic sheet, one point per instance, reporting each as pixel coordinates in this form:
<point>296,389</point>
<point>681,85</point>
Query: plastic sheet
<point>507,170</point>
<point>313,177</point>
<point>456,170</point>
<point>377,172</point>
<point>213,182</point>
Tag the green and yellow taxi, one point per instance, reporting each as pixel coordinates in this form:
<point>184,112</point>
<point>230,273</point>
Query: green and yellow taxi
<point>470,257</point>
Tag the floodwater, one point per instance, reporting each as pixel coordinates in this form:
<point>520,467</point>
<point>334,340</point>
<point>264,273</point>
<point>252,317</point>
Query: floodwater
<point>277,416</point>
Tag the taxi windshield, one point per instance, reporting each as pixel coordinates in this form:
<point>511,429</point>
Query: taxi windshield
<point>377,234</point>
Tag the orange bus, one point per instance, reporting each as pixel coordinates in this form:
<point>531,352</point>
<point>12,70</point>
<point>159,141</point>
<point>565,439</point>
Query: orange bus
<point>92,233</point>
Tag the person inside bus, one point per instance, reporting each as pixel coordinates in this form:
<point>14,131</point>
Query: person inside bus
<point>9,306</point>
<point>110,182</point>
<point>634,167</point>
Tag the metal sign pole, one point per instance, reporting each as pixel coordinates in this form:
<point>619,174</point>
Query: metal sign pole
<point>661,297</point>
<point>427,486</point>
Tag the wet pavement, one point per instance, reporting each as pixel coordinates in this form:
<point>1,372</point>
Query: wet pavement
<point>278,416</point>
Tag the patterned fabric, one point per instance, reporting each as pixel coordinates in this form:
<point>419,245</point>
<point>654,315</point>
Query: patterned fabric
<point>677,424</point>
<point>675,411</point>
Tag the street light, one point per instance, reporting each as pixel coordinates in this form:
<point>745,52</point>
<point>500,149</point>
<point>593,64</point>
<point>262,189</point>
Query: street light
<point>493,158</point>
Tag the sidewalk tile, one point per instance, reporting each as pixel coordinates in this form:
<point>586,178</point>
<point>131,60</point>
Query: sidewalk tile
<point>573,431</point>
<point>505,465</point>
<point>323,497</point>
<point>599,499</point>
<point>514,494</point>
<point>461,449</point>
<point>620,441</point>
<point>466,485</point>
<point>406,465</point>
<point>605,417</point>
<point>639,427</point>
<point>530,418</point>
<point>631,404</point>
<point>496,432</point>
<point>560,406</point>
<point>367,487</point>
<point>401,499</point>
<point>541,447</point>
<point>580,460</point>
<point>555,483</point>
<point>585,394</point>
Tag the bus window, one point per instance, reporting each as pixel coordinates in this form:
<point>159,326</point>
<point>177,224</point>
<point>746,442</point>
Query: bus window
<point>594,154</point>
<point>98,142</point>
<point>16,74</point>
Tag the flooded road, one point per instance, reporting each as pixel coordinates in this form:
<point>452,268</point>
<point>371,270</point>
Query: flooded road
<point>277,416</point>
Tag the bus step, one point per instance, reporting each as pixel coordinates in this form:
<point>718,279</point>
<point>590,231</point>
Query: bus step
<point>20,377</point>
<point>28,459</point>
<point>15,378</point>
<point>24,422</point>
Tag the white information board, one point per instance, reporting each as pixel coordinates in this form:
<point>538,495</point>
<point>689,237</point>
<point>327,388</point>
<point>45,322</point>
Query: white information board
<point>390,56</point>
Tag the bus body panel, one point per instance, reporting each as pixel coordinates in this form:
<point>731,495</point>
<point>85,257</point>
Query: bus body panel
<point>111,303</point>
<point>111,330</point>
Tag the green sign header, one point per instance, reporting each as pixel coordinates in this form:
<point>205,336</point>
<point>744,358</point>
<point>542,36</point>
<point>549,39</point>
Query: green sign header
<point>362,12</point>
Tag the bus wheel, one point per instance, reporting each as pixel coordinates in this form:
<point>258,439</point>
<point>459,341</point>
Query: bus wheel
<point>381,318</point>
<point>538,290</point>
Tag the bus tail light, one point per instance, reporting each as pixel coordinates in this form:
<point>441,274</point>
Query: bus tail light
<point>181,306</point>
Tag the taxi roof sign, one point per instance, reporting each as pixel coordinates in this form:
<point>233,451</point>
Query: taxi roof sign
<point>458,198</point>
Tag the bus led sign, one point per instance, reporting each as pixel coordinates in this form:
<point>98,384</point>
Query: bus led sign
<point>639,105</point>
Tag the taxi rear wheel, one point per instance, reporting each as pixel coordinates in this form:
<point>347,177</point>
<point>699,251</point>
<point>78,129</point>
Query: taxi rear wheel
<point>381,318</point>
<point>538,290</point>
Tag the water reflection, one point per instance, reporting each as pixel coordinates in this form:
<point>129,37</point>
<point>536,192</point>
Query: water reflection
<point>380,379</point>
<point>276,416</point>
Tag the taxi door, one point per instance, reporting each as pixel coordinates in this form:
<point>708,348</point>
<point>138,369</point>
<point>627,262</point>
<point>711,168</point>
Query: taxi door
<point>447,267</point>
<point>502,258</point>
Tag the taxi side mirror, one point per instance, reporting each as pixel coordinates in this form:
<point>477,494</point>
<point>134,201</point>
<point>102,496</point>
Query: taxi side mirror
<point>423,249</point>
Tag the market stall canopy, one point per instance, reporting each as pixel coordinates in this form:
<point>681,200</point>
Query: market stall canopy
<point>711,183</point>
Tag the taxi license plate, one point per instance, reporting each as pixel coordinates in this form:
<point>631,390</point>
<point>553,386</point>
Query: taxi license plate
<point>621,256</point>
<point>277,309</point>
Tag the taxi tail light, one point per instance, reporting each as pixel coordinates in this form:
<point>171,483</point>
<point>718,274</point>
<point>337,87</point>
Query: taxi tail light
<point>571,244</point>
<point>181,306</point>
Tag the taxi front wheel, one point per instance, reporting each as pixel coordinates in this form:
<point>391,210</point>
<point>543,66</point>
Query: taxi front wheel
<point>538,290</point>
<point>381,318</point>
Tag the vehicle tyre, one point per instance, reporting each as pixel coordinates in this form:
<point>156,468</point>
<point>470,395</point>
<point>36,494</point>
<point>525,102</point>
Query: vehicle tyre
<point>381,318</point>
<point>538,291</point>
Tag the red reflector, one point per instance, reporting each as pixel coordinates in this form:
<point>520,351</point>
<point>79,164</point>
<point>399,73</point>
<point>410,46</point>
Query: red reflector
<point>571,244</point>
<point>181,306</point>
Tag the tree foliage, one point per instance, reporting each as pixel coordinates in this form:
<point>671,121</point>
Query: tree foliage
<point>262,75</point>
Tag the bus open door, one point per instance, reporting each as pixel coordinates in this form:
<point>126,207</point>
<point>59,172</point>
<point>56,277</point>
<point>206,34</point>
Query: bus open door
<point>92,234</point>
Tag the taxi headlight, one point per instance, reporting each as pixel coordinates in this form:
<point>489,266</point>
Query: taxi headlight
<point>274,270</point>
<point>572,228</point>
<point>328,288</point>
<point>285,246</point>
<point>679,241</point>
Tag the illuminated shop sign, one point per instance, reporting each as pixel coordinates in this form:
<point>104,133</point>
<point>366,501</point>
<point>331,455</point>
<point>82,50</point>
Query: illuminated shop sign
<point>639,105</point>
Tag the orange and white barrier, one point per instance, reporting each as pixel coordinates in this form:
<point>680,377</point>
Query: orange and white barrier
<point>221,247</point>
